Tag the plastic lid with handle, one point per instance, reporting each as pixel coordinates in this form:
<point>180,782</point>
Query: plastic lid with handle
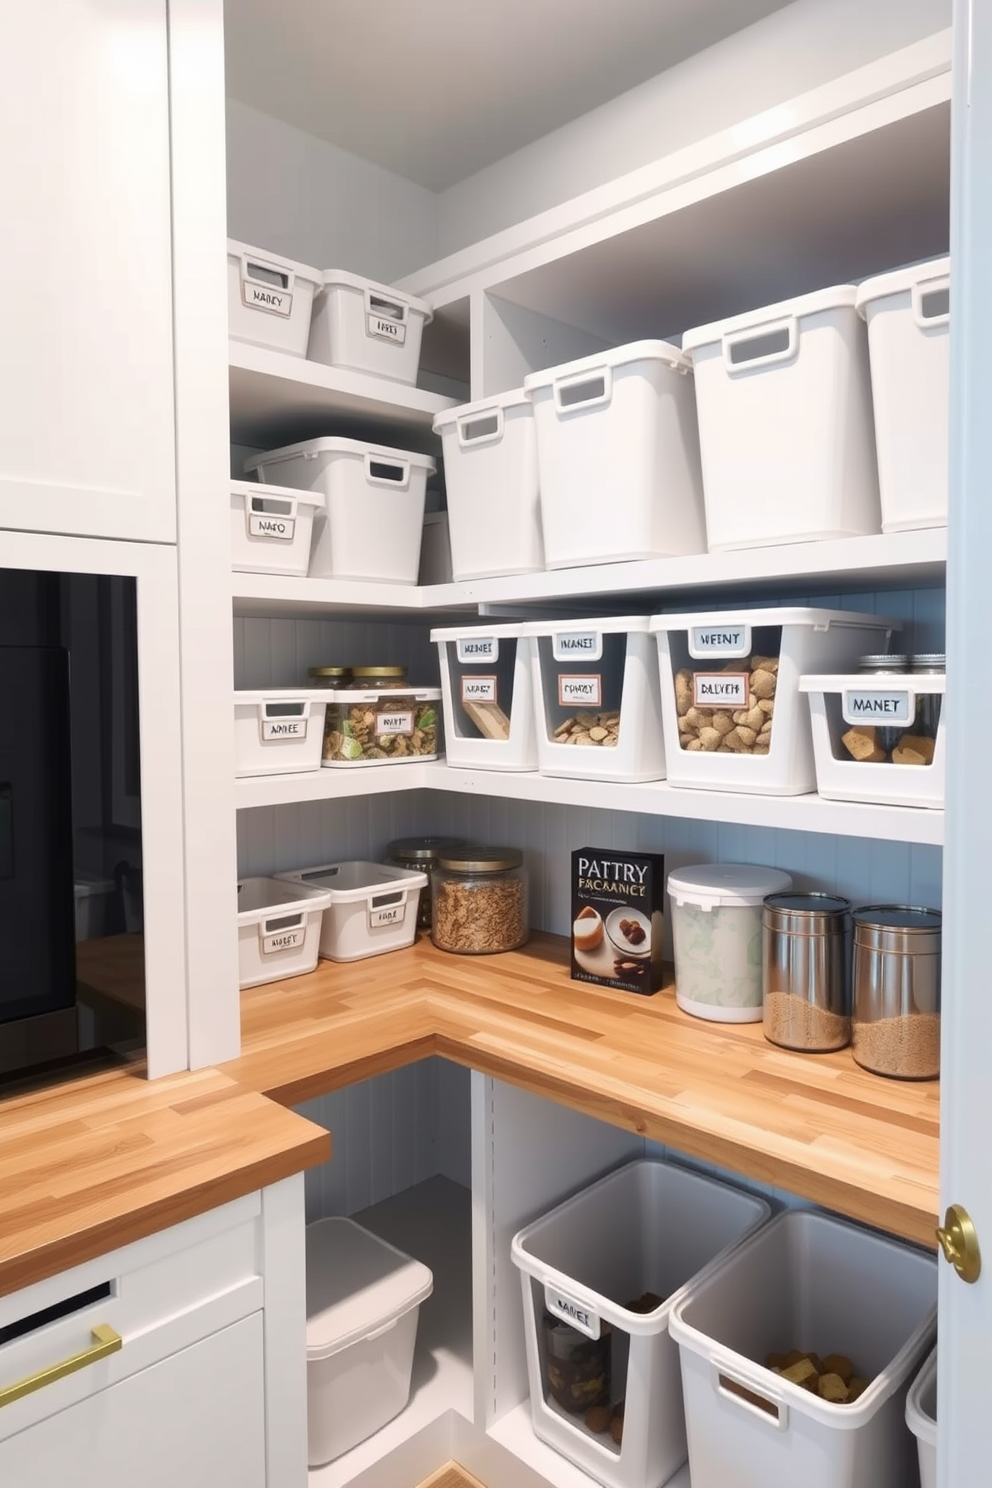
<point>718,885</point>
<point>357,1285</point>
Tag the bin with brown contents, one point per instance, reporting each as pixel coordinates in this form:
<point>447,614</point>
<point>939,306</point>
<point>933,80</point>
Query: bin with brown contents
<point>897,955</point>
<point>480,901</point>
<point>381,727</point>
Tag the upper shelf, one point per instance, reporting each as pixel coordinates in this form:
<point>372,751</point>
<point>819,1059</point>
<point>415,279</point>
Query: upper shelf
<point>277,399</point>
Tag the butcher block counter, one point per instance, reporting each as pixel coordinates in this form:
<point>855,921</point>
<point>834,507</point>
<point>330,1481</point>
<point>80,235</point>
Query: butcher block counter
<point>110,1158</point>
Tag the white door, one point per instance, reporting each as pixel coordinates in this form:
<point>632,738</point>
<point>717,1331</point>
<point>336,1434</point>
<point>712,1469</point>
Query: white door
<point>86,387</point>
<point>195,1420</point>
<point>965,1350</point>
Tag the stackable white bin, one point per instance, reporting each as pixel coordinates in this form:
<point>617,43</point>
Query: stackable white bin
<point>367,327</point>
<point>490,469</point>
<point>269,299</point>
<point>649,1226</point>
<point>371,908</point>
<point>597,666</point>
<point>618,456</point>
<point>278,929</point>
<point>488,667</point>
<point>785,423</point>
<point>372,523</point>
<point>908,316</point>
<point>722,643</point>
<point>807,1281</point>
<point>921,1418</point>
<point>271,528</point>
<point>278,730</point>
<point>841,778</point>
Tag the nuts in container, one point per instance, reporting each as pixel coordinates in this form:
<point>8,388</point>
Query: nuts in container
<point>480,901</point>
<point>584,728</point>
<point>709,721</point>
<point>375,728</point>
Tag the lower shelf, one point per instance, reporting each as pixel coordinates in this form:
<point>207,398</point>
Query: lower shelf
<point>515,1432</point>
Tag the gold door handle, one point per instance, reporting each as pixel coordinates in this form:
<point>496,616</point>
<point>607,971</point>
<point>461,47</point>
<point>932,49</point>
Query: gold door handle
<point>959,1241</point>
<point>105,1342</point>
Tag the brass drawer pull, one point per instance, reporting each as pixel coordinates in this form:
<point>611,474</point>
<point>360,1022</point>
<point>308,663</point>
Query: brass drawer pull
<point>105,1342</point>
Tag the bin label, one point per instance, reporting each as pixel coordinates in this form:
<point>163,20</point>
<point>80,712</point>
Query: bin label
<point>387,330</point>
<point>560,1304</point>
<point>471,649</point>
<point>572,645</point>
<point>394,723</point>
<point>871,706</point>
<point>264,297</point>
<point>283,728</point>
<point>720,689</point>
<point>478,689</point>
<point>391,914</point>
<point>286,940</point>
<point>580,690</point>
<point>278,529</point>
<point>731,639</point>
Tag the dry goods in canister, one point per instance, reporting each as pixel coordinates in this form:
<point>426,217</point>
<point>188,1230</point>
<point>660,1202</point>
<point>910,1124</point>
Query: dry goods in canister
<point>805,978</point>
<point>896,1030</point>
<point>480,901</point>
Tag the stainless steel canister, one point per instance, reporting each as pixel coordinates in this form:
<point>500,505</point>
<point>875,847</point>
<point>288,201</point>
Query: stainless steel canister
<point>805,963</point>
<point>897,952</point>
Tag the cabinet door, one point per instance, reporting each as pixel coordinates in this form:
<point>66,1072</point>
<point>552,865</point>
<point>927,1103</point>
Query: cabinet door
<point>86,385</point>
<point>195,1420</point>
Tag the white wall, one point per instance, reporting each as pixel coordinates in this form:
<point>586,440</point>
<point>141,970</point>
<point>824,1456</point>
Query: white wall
<point>321,205</point>
<point>801,47</point>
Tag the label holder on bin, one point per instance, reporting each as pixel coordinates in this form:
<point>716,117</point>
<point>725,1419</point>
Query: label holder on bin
<point>573,1310</point>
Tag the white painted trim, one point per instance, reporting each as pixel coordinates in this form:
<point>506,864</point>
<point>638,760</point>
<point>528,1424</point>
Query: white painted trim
<point>284,1319</point>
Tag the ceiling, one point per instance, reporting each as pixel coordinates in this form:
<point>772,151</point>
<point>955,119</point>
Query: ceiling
<point>437,89</point>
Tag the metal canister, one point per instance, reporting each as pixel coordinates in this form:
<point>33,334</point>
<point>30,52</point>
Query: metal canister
<point>805,966</point>
<point>421,853</point>
<point>897,954</point>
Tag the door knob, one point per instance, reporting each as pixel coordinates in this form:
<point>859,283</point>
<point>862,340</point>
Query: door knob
<point>959,1241</point>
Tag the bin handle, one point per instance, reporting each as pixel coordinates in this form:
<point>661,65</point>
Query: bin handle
<point>383,472</point>
<point>591,389</point>
<point>248,263</point>
<point>278,922</point>
<point>758,336</point>
<point>742,1391</point>
<point>272,506</point>
<point>483,427</point>
<point>376,303</point>
<point>925,290</point>
<point>291,708</point>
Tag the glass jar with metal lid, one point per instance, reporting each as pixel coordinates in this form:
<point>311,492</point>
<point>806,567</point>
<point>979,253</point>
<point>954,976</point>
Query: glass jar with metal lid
<point>422,853</point>
<point>897,955</point>
<point>480,900</point>
<point>805,963</point>
<point>376,678</point>
<point>928,664</point>
<point>333,677</point>
<point>885,666</point>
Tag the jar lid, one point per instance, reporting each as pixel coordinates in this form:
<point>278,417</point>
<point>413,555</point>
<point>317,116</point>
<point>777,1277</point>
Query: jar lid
<point>421,849</point>
<point>928,659</point>
<point>882,663</point>
<point>716,885</point>
<point>328,671</point>
<point>899,917</point>
<point>378,671</point>
<point>805,914</point>
<point>474,859</point>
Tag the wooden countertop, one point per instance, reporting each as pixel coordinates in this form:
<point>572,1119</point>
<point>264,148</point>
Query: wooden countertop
<point>815,1125</point>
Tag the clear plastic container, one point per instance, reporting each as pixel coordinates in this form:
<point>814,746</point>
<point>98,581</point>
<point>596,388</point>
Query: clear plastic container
<point>716,929</point>
<point>421,853</point>
<point>380,727</point>
<point>480,901</point>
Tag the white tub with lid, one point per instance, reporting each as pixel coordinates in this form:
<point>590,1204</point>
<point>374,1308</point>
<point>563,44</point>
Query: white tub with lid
<point>366,326</point>
<point>271,528</point>
<point>487,696</point>
<point>278,730</point>
<point>269,298</point>
<point>716,929</point>
<point>618,456</point>
<point>490,471</point>
<point>363,1303</point>
<point>373,519</point>
<point>908,316</point>
<point>921,1418</point>
<point>785,425</point>
<point>278,929</point>
<point>371,908</point>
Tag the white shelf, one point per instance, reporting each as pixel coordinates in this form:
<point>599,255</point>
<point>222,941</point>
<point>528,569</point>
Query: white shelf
<point>515,1432</point>
<point>904,559</point>
<point>657,798</point>
<point>277,399</point>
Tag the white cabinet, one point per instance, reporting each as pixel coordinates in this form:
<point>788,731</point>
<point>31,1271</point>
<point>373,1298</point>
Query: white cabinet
<point>87,428</point>
<point>195,1418</point>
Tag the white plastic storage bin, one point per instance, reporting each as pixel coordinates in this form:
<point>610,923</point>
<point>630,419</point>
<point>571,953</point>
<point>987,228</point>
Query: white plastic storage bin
<point>278,929</point>
<point>921,1418</point>
<point>271,527</point>
<point>367,327</point>
<point>373,520</point>
<point>278,731</point>
<point>363,1304</point>
<point>596,699</point>
<point>381,728</point>
<point>488,697</point>
<point>908,315</point>
<point>716,933</point>
<point>814,1282</point>
<point>785,423</point>
<point>490,471</point>
<point>585,1267</point>
<point>371,908</point>
<point>733,716</point>
<point>886,709</point>
<point>269,299</point>
<point>618,456</point>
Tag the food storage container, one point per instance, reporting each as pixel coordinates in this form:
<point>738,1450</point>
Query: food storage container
<point>371,908</point>
<point>607,1266</point>
<point>381,678</point>
<point>488,697</point>
<point>596,699</point>
<point>785,426</point>
<point>896,1025</point>
<point>333,678</point>
<point>374,496</point>
<point>367,327</point>
<point>908,316</point>
<point>381,726</point>
<point>480,900</point>
<point>269,299</point>
<point>278,730</point>
<point>363,1305</point>
<point>921,1418</point>
<point>490,470</point>
<point>271,528</point>
<point>805,971</point>
<point>421,854</point>
<point>716,930</point>
<point>278,929</point>
<point>730,703</point>
<point>805,1281</point>
<point>618,456</point>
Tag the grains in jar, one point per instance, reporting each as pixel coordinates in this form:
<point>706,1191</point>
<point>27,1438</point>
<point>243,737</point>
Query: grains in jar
<point>480,901</point>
